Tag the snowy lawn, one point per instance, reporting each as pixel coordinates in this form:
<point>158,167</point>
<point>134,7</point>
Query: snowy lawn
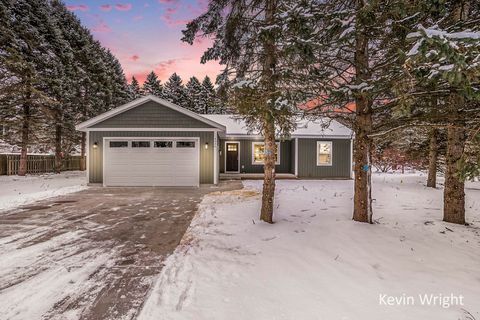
<point>316,263</point>
<point>16,191</point>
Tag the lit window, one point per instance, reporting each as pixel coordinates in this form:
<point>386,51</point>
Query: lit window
<point>324,153</point>
<point>185,144</point>
<point>258,153</point>
<point>140,144</point>
<point>118,144</point>
<point>232,147</point>
<point>163,144</point>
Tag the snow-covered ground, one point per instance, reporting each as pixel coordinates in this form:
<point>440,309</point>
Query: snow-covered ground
<point>316,263</point>
<point>16,191</point>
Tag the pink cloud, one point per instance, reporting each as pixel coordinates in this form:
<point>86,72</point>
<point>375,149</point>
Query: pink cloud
<point>106,7</point>
<point>123,7</point>
<point>80,7</point>
<point>101,27</point>
<point>135,57</point>
<point>167,1</point>
<point>137,18</point>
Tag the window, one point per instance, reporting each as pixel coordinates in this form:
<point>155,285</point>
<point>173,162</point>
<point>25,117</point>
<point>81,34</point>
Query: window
<point>163,144</point>
<point>185,144</point>
<point>324,153</point>
<point>232,147</point>
<point>140,144</point>
<point>258,153</point>
<point>118,144</point>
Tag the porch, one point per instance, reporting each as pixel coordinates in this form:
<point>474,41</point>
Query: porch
<point>253,176</point>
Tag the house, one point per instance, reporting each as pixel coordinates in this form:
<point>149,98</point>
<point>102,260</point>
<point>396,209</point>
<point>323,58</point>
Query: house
<point>152,142</point>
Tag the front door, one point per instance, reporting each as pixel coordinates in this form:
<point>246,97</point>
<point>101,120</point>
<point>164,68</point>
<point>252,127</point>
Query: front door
<point>232,157</point>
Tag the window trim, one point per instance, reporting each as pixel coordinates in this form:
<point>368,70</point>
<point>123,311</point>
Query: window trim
<point>331,153</point>
<point>278,160</point>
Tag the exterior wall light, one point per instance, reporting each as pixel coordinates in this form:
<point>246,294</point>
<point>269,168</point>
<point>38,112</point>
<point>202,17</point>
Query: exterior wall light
<point>206,145</point>
<point>95,145</point>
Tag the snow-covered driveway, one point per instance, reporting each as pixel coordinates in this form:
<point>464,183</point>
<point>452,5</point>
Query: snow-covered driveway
<point>92,254</point>
<point>316,263</point>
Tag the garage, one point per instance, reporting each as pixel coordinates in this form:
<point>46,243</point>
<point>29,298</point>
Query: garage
<point>172,162</point>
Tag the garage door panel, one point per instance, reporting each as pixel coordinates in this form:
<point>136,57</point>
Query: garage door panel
<point>152,166</point>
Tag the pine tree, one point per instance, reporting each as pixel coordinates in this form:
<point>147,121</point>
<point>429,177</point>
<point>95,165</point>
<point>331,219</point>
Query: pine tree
<point>135,91</point>
<point>264,48</point>
<point>194,95</point>
<point>175,92</point>
<point>443,59</point>
<point>152,85</point>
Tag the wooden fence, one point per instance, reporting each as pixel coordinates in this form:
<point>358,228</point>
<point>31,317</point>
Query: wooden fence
<point>9,163</point>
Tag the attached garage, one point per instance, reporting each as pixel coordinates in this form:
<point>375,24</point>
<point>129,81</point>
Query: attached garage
<point>172,162</point>
<point>152,142</point>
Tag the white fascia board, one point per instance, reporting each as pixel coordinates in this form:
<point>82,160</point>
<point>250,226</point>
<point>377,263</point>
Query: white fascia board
<point>135,103</point>
<point>154,129</point>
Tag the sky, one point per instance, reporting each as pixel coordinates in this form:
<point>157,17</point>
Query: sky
<point>145,35</point>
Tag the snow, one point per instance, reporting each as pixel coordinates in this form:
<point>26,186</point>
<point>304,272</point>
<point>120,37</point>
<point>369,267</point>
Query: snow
<point>16,191</point>
<point>319,127</point>
<point>315,262</point>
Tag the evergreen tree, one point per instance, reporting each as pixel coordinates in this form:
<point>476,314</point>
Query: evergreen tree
<point>264,49</point>
<point>194,94</point>
<point>175,92</point>
<point>443,63</point>
<point>135,91</point>
<point>152,85</point>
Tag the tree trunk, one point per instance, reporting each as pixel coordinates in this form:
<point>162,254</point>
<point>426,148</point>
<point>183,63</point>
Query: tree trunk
<point>58,148</point>
<point>269,81</point>
<point>454,192</point>
<point>269,172</point>
<point>432,160</point>
<point>362,203</point>
<point>83,143</point>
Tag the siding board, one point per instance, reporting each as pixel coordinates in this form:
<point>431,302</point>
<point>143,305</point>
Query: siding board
<point>307,159</point>
<point>151,115</point>
<point>96,155</point>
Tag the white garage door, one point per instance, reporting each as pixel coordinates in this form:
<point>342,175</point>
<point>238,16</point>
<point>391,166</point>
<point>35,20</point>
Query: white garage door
<point>151,162</point>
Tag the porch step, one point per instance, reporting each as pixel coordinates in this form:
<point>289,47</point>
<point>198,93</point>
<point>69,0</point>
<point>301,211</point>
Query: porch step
<point>253,176</point>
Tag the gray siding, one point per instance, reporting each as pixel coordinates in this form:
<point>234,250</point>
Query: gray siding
<point>292,156</point>
<point>96,155</point>
<point>307,159</point>
<point>151,115</point>
<point>246,165</point>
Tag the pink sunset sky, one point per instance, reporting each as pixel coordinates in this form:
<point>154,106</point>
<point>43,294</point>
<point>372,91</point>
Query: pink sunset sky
<point>145,35</point>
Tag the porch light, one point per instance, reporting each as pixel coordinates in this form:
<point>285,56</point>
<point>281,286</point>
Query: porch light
<point>206,145</point>
<point>95,145</point>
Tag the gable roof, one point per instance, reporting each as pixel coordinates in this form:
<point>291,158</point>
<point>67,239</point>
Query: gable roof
<point>320,127</point>
<point>140,101</point>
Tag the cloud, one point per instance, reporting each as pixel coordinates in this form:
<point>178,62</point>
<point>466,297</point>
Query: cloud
<point>135,57</point>
<point>80,7</point>
<point>137,18</point>
<point>170,21</point>
<point>167,1</point>
<point>100,25</point>
<point>106,7</point>
<point>123,7</point>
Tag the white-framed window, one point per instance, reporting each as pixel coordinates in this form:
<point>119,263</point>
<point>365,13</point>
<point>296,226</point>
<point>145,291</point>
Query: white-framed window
<point>118,144</point>
<point>324,153</point>
<point>140,144</point>
<point>258,153</point>
<point>185,144</point>
<point>163,144</point>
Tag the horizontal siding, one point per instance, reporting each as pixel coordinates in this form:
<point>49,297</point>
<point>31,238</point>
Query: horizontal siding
<point>96,155</point>
<point>246,165</point>
<point>307,159</point>
<point>151,114</point>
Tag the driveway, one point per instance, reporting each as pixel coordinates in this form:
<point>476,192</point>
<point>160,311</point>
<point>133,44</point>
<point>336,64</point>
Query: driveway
<point>93,254</point>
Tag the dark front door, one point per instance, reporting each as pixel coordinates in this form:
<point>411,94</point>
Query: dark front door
<point>232,157</point>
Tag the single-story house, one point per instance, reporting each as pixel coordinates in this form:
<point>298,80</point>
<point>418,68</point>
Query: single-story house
<point>152,142</point>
